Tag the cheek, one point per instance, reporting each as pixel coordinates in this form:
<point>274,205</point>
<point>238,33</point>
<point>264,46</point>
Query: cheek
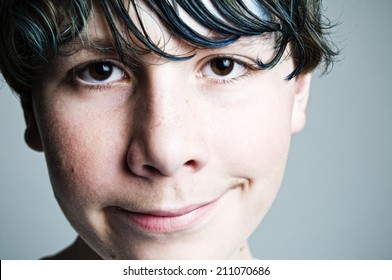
<point>255,140</point>
<point>254,145</point>
<point>79,147</point>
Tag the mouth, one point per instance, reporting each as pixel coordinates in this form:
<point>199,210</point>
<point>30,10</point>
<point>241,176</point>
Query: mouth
<point>168,221</point>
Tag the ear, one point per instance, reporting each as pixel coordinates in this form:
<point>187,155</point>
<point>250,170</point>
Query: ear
<point>32,135</point>
<point>302,89</point>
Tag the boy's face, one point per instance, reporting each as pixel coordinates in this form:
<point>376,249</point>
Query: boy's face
<point>166,159</point>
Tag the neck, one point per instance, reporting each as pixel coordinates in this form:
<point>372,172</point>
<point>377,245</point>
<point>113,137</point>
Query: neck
<point>243,253</point>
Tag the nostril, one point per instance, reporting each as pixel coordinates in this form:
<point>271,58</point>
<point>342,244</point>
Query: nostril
<point>191,163</point>
<point>151,169</point>
<point>145,159</point>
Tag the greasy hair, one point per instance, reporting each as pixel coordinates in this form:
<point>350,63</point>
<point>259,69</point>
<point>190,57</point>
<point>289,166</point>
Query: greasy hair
<point>33,31</point>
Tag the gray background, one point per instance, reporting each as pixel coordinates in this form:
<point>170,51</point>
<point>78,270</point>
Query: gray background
<point>336,198</point>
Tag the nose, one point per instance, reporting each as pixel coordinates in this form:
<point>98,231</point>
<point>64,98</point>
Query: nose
<point>166,137</point>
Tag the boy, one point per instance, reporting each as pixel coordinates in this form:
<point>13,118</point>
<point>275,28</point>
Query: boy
<point>165,124</point>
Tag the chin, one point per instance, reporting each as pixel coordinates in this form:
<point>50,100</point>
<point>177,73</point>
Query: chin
<point>181,248</point>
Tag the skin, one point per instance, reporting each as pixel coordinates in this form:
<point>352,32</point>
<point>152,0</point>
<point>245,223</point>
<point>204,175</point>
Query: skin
<point>167,136</point>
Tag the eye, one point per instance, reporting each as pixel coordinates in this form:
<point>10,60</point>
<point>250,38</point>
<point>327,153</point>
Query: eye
<point>224,69</point>
<point>222,66</point>
<point>100,73</point>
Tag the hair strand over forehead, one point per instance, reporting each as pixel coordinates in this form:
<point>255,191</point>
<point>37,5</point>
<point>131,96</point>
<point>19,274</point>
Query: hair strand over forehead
<point>34,31</point>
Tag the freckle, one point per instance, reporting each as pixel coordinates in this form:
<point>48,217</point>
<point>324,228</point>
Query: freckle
<point>73,170</point>
<point>113,256</point>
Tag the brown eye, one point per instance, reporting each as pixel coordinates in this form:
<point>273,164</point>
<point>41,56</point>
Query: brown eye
<point>225,69</point>
<point>222,66</point>
<point>100,71</point>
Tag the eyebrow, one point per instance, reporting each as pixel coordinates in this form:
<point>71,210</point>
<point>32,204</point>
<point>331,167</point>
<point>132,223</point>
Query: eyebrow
<point>104,46</point>
<point>91,45</point>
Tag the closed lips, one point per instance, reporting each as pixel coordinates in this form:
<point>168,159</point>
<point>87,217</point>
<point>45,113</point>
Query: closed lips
<point>161,221</point>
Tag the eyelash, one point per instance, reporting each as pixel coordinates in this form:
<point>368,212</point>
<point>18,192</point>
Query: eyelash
<point>248,69</point>
<point>78,71</point>
<point>78,82</point>
<point>90,87</point>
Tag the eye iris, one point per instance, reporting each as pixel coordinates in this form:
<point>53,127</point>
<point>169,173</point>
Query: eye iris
<point>222,67</point>
<point>101,71</point>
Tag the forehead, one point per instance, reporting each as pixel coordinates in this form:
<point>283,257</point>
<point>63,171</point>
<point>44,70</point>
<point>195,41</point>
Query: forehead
<point>165,26</point>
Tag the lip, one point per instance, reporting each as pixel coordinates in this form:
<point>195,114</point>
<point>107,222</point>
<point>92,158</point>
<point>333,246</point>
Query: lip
<point>168,221</point>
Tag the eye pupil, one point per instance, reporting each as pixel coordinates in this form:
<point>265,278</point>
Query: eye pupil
<point>101,71</point>
<point>222,66</point>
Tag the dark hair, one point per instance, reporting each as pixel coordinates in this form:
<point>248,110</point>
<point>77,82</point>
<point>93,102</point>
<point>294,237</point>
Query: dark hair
<point>32,31</point>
